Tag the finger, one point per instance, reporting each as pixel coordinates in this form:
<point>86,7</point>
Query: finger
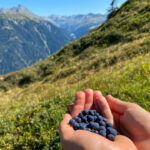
<point>116,118</point>
<point>79,103</point>
<point>65,129</point>
<point>102,105</point>
<point>116,104</point>
<point>88,99</point>
<point>71,107</point>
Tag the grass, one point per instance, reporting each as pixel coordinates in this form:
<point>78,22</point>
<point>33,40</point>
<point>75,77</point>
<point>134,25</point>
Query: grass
<point>113,58</point>
<point>33,120</point>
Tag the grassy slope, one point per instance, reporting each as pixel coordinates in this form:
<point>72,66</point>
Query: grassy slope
<point>120,66</point>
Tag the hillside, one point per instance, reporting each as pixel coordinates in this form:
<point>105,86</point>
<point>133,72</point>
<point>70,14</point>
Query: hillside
<point>26,39</point>
<point>113,58</point>
<point>78,25</point>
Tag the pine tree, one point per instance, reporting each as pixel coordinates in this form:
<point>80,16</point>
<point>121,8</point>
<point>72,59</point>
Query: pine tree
<point>112,4</point>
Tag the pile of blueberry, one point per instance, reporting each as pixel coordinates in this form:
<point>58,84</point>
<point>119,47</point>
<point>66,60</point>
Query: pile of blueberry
<point>91,120</point>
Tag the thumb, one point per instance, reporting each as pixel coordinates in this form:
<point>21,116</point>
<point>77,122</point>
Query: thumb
<point>116,104</point>
<point>65,129</point>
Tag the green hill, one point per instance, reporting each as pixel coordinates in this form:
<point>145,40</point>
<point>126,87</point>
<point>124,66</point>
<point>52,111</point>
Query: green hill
<point>113,58</point>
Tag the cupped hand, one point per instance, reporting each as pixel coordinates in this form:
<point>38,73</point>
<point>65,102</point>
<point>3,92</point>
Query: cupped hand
<point>132,121</point>
<point>85,140</point>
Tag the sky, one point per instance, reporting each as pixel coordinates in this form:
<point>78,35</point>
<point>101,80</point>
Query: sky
<point>61,7</point>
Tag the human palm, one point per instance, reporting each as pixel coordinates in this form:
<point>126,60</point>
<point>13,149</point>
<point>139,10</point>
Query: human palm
<point>85,140</point>
<point>131,120</point>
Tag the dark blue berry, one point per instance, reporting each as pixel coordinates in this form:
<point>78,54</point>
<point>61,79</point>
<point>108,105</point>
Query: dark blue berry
<point>90,118</point>
<point>111,130</point>
<point>84,119</point>
<point>88,129</point>
<point>72,122</point>
<point>102,132</point>
<point>82,126</point>
<point>104,119</point>
<point>97,114</point>
<point>109,125</point>
<point>80,115</point>
<point>92,112</point>
<point>102,123</point>
<point>95,118</point>
<point>102,128</point>
<point>77,119</point>
<point>76,126</point>
<point>94,131</point>
<point>111,137</point>
<point>99,118</point>
<point>96,126</point>
<point>85,112</point>
<point>91,124</point>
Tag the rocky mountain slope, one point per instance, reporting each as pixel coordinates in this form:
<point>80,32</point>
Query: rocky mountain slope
<point>78,25</point>
<point>26,39</point>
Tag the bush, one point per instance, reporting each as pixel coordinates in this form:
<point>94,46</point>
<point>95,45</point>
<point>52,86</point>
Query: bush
<point>46,69</point>
<point>65,73</point>
<point>113,37</point>
<point>26,79</point>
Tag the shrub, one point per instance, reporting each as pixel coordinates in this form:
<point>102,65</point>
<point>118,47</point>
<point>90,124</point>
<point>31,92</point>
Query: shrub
<point>65,73</point>
<point>46,69</point>
<point>113,37</point>
<point>26,79</point>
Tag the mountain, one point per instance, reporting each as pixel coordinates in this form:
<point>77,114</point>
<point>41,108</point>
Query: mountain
<point>78,25</point>
<point>26,39</point>
<point>113,58</point>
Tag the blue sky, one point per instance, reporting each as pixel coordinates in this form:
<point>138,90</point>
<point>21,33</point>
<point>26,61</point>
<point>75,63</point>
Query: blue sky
<point>61,7</point>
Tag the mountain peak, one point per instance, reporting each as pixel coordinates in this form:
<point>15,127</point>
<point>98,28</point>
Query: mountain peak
<point>17,9</point>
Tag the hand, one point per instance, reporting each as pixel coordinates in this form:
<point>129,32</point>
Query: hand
<point>132,121</point>
<point>85,140</point>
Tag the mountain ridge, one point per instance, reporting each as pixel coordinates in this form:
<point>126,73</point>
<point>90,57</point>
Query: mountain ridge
<point>26,39</point>
<point>78,25</point>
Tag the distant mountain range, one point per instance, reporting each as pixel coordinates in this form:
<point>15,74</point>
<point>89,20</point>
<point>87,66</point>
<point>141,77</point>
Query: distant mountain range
<point>78,25</point>
<point>26,38</point>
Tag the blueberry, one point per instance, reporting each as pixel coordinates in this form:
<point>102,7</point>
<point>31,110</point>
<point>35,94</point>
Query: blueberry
<point>88,129</point>
<point>102,132</point>
<point>99,118</point>
<point>109,125</point>
<point>92,112</point>
<point>84,119</point>
<point>76,126</point>
<point>90,118</point>
<point>111,130</point>
<point>102,128</point>
<point>104,119</point>
<point>85,112</point>
<point>77,119</point>
<point>95,118</point>
<point>91,124</point>
<point>72,122</point>
<point>97,114</point>
<point>80,115</point>
<point>96,126</point>
<point>102,123</point>
<point>95,131</point>
<point>82,126</point>
<point>111,137</point>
